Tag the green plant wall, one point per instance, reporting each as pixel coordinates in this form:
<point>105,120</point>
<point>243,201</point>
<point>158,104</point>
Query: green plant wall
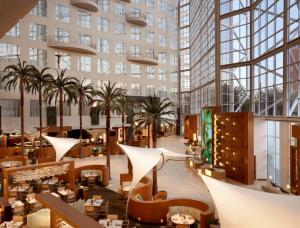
<point>206,131</point>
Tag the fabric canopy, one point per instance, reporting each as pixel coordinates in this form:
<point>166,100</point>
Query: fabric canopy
<point>242,207</point>
<point>144,159</point>
<point>61,145</point>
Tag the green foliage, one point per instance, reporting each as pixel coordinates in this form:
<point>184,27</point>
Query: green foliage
<point>206,120</point>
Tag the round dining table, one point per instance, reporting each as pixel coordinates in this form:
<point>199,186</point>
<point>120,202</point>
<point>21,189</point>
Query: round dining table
<point>181,219</point>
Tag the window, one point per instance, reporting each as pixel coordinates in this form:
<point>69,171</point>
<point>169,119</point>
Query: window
<point>103,5</point>
<point>150,90</point>
<point>162,41</point>
<point>120,68</point>
<point>149,37</point>
<point>273,151</point>
<point>40,9</point>
<point>84,63</point>
<point>62,35</point>
<point>14,31</point>
<point>150,72</point>
<point>135,12</point>
<point>103,24</point>
<point>162,23</point>
<point>86,110</point>
<point>173,59</point>
<point>162,74</point>
<point>136,89</point>
<point>34,108</point>
<point>162,6</point>
<point>103,66</point>
<point>135,33</point>
<point>67,109</point>
<point>150,4</point>
<point>8,52</point>
<point>37,32</point>
<point>173,92</point>
<point>38,57</point>
<point>63,59</point>
<point>150,53</point>
<point>10,107</point>
<point>135,51</point>
<point>135,70</point>
<point>119,28</point>
<point>162,57</point>
<point>62,13</point>
<point>174,77</point>
<point>119,8</point>
<point>185,59</point>
<point>103,45</point>
<point>120,48</point>
<point>162,91</point>
<point>149,18</point>
<point>84,39</point>
<point>84,19</point>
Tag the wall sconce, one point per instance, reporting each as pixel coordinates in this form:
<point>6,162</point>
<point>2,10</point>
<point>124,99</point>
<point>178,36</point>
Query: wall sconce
<point>227,119</point>
<point>233,123</point>
<point>233,168</point>
<point>233,153</point>
<point>233,138</point>
<point>195,137</point>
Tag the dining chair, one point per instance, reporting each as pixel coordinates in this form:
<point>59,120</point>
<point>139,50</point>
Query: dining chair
<point>112,217</point>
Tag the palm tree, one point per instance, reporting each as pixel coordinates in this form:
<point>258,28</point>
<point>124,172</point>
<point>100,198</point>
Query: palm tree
<point>60,87</point>
<point>84,92</point>
<point>39,80</point>
<point>108,95</point>
<point>123,106</point>
<point>18,76</point>
<point>155,111</point>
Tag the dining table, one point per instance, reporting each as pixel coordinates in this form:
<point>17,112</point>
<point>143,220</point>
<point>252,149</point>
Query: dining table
<point>182,219</point>
<point>111,223</point>
<point>65,192</point>
<point>19,189</point>
<point>11,224</point>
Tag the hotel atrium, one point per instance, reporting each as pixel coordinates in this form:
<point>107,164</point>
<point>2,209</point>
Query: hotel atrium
<point>149,113</point>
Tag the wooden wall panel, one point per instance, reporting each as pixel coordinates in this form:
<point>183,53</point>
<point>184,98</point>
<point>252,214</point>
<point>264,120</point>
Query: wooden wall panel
<point>233,145</point>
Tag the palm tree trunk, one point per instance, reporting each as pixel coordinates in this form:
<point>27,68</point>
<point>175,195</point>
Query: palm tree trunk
<point>41,121</point>
<point>80,124</point>
<point>123,127</point>
<point>22,114</point>
<point>61,112</point>
<point>154,171</point>
<point>107,112</point>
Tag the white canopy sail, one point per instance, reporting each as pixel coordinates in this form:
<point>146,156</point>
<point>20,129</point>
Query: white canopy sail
<point>61,145</point>
<point>241,207</point>
<point>144,159</point>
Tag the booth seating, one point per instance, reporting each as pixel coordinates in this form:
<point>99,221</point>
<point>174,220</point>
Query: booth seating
<point>100,169</point>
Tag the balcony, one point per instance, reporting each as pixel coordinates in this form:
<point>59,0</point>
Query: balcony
<point>73,45</point>
<point>136,19</point>
<point>143,59</point>
<point>12,11</point>
<point>90,5</point>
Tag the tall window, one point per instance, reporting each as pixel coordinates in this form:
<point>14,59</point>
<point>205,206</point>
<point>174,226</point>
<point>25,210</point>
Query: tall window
<point>162,41</point>
<point>10,107</point>
<point>162,57</point>
<point>103,24</point>
<point>84,39</point>
<point>103,66</point>
<point>62,35</point>
<point>120,48</point>
<point>162,74</point>
<point>150,20</point>
<point>135,51</point>
<point>37,32</point>
<point>150,90</point>
<point>162,23</point>
<point>162,5</point>
<point>174,77</point>
<point>162,91</point>
<point>135,33</point>
<point>273,151</point>
<point>103,5</point>
<point>62,13</point>
<point>150,53</point>
<point>40,9</point>
<point>38,57</point>
<point>149,37</point>
<point>103,45</point>
<point>119,28</point>
<point>8,52</point>
<point>84,63</point>
<point>150,72</point>
<point>63,59</point>
<point>14,31</point>
<point>119,8</point>
<point>34,108</point>
<point>173,59</point>
<point>135,70</point>
<point>136,12</point>
<point>150,4</point>
<point>120,68</point>
<point>84,19</point>
<point>135,89</point>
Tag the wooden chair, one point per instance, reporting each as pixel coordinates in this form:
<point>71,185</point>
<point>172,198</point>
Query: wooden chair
<point>97,197</point>
<point>112,217</point>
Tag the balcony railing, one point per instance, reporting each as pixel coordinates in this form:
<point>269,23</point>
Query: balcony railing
<point>137,19</point>
<point>90,5</point>
<point>143,59</point>
<point>73,44</point>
